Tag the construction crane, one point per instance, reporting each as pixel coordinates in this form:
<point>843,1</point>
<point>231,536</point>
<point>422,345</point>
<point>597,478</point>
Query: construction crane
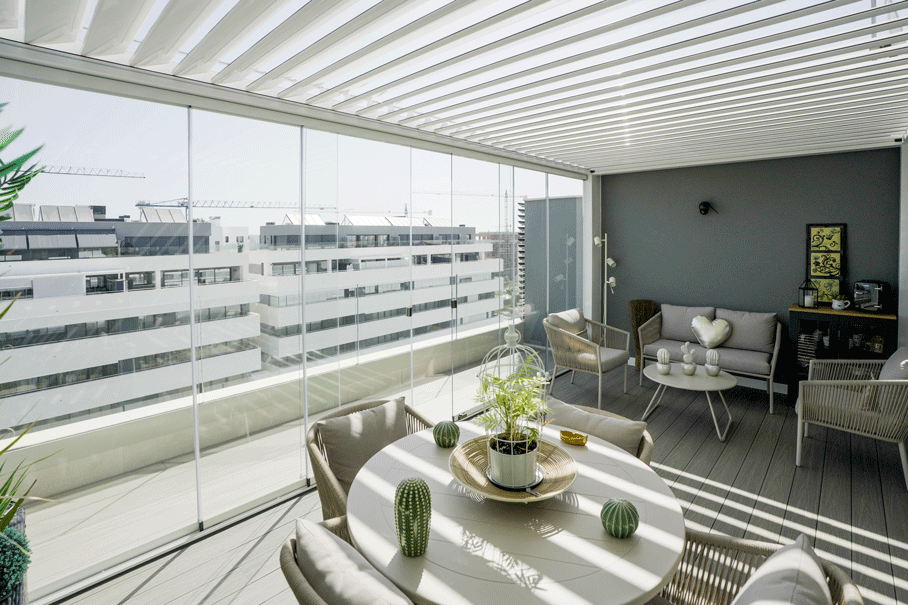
<point>77,171</point>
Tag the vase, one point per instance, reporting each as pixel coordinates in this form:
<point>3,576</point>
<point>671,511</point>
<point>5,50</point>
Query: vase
<point>664,368</point>
<point>712,370</point>
<point>689,369</point>
<point>512,470</point>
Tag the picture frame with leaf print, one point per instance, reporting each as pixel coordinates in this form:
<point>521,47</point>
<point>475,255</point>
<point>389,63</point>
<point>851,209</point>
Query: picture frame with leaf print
<point>826,259</point>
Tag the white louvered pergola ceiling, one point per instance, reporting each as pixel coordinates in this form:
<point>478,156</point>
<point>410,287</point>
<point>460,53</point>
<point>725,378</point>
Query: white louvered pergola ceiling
<point>610,86</point>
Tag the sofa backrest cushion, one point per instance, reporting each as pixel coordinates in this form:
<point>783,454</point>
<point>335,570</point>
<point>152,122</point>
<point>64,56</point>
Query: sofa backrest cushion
<point>892,369</point>
<point>676,321</point>
<point>750,331</point>
<point>338,572</point>
<point>570,321</point>
<point>349,441</point>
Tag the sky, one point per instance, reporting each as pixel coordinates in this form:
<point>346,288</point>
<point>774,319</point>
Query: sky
<point>239,159</point>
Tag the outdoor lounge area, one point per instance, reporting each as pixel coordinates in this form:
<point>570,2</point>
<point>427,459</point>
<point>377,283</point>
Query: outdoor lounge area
<point>285,286</point>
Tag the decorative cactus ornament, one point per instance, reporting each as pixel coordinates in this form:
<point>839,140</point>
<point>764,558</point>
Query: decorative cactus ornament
<point>688,353</point>
<point>663,356</point>
<point>412,512</point>
<point>712,357</point>
<point>619,518</point>
<point>446,433</point>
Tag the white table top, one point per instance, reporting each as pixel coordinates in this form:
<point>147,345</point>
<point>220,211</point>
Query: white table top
<point>700,381</point>
<point>553,551</point>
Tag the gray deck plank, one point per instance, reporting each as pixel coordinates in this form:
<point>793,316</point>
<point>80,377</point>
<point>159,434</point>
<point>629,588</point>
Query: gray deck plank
<point>895,505</point>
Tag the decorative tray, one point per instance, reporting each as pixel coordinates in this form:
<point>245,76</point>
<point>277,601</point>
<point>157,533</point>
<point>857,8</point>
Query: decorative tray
<point>469,461</point>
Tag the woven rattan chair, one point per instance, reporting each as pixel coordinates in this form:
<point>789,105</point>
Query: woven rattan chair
<point>843,394</point>
<point>583,345</point>
<point>715,567</point>
<point>330,492</point>
<point>645,452</point>
<point>300,586</point>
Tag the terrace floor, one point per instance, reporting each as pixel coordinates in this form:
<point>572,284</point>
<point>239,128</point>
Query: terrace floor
<point>849,497</point>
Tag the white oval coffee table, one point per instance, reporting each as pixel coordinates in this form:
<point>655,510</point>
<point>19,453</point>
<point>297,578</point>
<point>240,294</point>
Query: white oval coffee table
<point>700,381</point>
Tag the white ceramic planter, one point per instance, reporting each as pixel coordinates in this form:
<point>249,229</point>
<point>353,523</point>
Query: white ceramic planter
<point>712,370</point>
<point>664,368</point>
<point>512,470</point>
<point>689,369</point>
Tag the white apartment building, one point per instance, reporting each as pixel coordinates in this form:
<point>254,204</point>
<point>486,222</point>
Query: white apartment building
<point>102,323</point>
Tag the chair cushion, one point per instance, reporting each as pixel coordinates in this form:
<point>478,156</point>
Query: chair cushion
<point>608,359</point>
<point>338,573</point>
<point>793,574</point>
<point>350,440</point>
<point>750,331</point>
<point>570,321</point>
<point>676,321</point>
<point>892,369</point>
<point>622,432</point>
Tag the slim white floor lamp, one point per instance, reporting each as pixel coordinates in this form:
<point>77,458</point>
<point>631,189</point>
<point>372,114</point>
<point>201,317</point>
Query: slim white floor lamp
<point>602,242</point>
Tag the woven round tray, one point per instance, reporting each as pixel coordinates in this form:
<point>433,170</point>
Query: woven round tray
<point>469,460</point>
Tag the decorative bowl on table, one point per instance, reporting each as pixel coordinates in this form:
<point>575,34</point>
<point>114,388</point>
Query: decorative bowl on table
<point>573,438</point>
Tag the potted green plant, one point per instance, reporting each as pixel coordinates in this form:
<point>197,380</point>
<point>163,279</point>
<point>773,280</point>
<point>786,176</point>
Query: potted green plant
<point>514,419</point>
<point>14,560</point>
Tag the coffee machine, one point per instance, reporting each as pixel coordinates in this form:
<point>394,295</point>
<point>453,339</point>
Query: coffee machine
<point>871,295</point>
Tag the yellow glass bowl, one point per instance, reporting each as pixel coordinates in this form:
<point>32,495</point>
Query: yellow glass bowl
<point>573,438</point>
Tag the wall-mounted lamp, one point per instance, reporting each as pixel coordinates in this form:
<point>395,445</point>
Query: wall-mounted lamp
<point>602,242</point>
<point>705,207</point>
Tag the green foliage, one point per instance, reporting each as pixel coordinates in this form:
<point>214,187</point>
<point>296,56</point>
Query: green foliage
<point>14,175</point>
<point>14,559</point>
<point>516,402</point>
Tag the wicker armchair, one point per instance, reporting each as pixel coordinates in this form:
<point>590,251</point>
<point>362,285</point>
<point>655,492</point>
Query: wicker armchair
<point>330,492</point>
<point>300,586</point>
<point>843,395</point>
<point>715,567</point>
<point>583,345</point>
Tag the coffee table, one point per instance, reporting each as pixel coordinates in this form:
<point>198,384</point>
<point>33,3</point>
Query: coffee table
<point>552,551</point>
<point>700,381</point>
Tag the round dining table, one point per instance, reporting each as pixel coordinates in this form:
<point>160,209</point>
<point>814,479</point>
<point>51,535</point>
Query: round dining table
<point>486,551</point>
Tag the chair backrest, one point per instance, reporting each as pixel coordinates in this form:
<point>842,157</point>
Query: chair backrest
<point>571,321</point>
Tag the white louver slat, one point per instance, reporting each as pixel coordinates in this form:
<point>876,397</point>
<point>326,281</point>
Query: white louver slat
<point>603,85</point>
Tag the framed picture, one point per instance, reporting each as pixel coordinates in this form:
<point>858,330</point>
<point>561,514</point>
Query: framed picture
<point>826,259</point>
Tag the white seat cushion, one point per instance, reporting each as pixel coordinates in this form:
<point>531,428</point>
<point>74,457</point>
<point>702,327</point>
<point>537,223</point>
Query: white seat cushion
<point>622,432</point>
<point>793,574</point>
<point>570,321</point>
<point>350,440</point>
<point>338,572</point>
<point>608,359</point>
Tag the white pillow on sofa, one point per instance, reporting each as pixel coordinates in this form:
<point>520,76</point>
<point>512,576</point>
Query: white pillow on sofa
<point>793,574</point>
<point>622,432</point>
<point>352,439</point>
<point>338,572</point>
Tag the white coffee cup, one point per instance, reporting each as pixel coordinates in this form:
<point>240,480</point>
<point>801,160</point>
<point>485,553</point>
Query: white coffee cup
<point>838,305</point>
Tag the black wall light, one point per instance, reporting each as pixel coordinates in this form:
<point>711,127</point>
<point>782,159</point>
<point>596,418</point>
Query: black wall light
<point>705,207</point>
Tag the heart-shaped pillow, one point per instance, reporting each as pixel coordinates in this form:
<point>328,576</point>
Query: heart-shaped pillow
<point>710,333</point>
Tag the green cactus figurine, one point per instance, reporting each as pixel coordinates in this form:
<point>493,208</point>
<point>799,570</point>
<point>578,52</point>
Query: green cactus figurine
<point>412,512</point>
<point>446,433</point>
<point>619,518</point>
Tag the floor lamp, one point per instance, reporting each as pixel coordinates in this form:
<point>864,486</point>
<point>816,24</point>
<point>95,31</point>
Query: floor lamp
<point>602,242</point>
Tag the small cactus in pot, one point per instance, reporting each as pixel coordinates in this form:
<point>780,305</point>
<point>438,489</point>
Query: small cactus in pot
<point>688,366</point>
<point>712,362</point>
<point>664,358</point>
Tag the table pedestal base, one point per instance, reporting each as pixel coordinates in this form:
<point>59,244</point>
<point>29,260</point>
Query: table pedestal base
<point>657,399</point>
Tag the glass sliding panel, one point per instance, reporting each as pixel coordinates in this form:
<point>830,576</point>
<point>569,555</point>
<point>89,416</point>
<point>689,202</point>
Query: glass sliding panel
<point>478,268</point>
<point>329,311</point>
<point>248,350</point>
<point>374,266</point>
<point>432,283</point>
<point>96,347</point>
<point>533,277</point>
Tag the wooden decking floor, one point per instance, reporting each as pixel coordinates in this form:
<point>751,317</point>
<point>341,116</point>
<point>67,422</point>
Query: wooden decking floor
<point>849,497</point>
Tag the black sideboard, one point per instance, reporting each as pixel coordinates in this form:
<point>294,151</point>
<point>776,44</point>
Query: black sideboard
<point>851,335</point>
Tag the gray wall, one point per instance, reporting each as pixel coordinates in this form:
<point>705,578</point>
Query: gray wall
<point>751,255</point>
<point>903,245</point>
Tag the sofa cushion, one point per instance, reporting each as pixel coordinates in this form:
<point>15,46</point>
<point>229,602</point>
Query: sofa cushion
<point>338,572</point>
<point>732,360</point>
<point>893,369</point>
<point>676,321</point>
<point>570,321</point>
<point>793,574</point>
<point>751,331</point>
<point>710,333</point>
<point>350,440</point>
<point>608,358</point>
<point>623,432</point>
